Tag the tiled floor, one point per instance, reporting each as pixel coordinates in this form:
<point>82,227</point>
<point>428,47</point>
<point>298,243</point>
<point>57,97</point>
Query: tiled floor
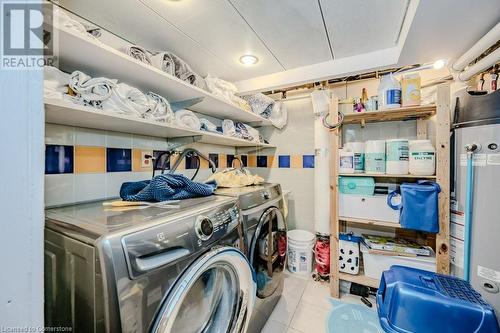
<point>303,307</point>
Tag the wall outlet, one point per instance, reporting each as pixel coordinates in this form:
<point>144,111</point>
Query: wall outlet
<point>146,162</point>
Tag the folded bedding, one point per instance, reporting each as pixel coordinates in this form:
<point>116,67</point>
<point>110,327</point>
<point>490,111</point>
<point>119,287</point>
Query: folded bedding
<point>127,100</point>
<point>268,108</point>
<point>90,91</point>
<point>207,125</point>
<point>64,21</point>
<point>164,62</point>
<point>159,108</point>
<point>235,178</point>
<point>138,52</point>
<point>227,91</point>
<point>188,119</point>
<point>239,130</point>
<point>165,187</point>
<point>55,82</point>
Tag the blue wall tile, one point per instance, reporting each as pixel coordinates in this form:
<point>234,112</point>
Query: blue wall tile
<point>157,153</point>
<point>284,161</point>
<point>261,161</point>
<point>308,161</point>
<point>58,159</point>
<point>244,160</point>
<point>229,159</point>
<point>191,162</point>
<point>214,158</point>
<point>118,159</point>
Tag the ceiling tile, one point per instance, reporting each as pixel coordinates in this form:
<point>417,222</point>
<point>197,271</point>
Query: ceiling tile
<point>218,27</point>
<point>292,30</point>
<point>360,26</point>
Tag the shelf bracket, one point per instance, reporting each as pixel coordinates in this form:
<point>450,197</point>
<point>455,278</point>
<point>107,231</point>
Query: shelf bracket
<point>186,103</point>
<point>175,143</point>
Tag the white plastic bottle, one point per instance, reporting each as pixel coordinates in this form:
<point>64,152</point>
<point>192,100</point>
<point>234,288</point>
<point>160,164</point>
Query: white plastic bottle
<point>422,159</point>
<point>389,92</point>
<point>346,160</point>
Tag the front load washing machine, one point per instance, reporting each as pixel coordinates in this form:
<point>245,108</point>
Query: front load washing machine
<point>148,269</point>
<point>264,227</point>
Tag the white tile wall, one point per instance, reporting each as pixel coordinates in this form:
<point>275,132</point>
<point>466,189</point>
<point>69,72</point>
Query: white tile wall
<point>59,134</point>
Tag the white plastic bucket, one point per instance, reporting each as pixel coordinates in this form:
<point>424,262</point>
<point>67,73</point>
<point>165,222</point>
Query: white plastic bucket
<point>300,251</point>
<point>396,157</point>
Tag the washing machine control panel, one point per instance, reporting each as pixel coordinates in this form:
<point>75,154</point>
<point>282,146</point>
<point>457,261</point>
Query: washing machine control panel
<point>216,225</point>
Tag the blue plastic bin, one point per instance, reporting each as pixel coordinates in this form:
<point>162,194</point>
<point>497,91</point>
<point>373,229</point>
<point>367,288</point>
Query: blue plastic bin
<point>413,300</point>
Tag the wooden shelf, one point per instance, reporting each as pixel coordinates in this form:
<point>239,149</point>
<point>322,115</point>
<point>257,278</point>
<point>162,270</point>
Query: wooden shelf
<point>370,222</point>
<point>97,59</point>
<point>67,113</point>
<point>378,175</point>
<point>408,113</point>
<point>360,279</point>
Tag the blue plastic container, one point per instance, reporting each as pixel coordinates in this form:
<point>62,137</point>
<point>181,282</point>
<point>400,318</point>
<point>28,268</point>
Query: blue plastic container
<point>413,300</point>
<point>357,185</point>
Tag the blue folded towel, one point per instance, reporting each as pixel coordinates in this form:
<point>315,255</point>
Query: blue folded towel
<point>165,187</point>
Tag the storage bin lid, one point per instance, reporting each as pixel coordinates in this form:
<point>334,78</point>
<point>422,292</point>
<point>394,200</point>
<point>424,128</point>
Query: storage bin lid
<point>355,182</point>
<point>410,300</point>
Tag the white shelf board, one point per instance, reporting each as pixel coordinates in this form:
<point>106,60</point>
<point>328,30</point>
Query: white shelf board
<point>97,59</point>
<point>67,113</point>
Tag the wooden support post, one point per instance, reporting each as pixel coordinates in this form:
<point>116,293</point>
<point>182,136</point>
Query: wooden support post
<point>443,115</point>
<point>334,210</point>
<point>421,128</point>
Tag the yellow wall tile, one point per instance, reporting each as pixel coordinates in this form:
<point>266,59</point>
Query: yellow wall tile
<point>296,161</point>
<point>272,161</point>
<point>90,159</point>
<point>252,161</point>
<point>136,160</point>
<point>203,163</point>
<point>222,161</point>
<point>174,159</point>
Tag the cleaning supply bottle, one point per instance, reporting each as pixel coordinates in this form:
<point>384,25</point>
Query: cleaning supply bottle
<point>389,92</point>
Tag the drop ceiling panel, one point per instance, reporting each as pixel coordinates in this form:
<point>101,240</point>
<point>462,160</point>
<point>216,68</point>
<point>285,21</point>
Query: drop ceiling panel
<point>218,27</point>
<point>292,30</point>
<point>360,26</point>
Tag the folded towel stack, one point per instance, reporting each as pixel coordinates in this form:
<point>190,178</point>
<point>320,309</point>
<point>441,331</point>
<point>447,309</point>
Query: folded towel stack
<point>127,100</point>
<point>164,62</point>
<point>165,187</point>
<point>63,21</point>
<point>239,130</point>
<point>159,108</point>
<point>207,125</point>
<point>55,83</point>
<point>90,91</point>
<point>188,119</point>
<point>138,52</point>
<point>268,108</point>
<point>226,90</point>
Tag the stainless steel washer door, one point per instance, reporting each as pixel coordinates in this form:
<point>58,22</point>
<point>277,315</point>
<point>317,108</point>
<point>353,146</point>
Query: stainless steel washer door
<point>215,295</point>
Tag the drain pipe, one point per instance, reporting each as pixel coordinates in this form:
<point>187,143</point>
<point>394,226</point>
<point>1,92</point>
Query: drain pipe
<point>469,194</point>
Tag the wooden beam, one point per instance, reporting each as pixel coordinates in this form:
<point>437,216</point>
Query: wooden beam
<point>334,218</point>
<point>443,176</point>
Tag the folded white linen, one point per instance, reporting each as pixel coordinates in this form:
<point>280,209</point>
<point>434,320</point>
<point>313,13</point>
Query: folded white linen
<point>90,89</point>
<point>159,108</point>
<point>207,125</point>
<point>260,103</point>
<point>186,118</point>
<point>137,52</point>
<point>220,87</point>
<point>240,130</point>
<point>127,100</point>
<point>55,82</point>
<point>279,115</point>
<point>62,20</point>
<point>164,62</point>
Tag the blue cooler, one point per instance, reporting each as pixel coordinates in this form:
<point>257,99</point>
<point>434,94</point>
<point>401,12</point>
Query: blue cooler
<point>413,300</point>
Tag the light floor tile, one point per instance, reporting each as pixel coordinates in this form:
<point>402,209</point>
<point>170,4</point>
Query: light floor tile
<point>309,318</point>
<point>317,293</point>
<point>285,308</point>
<point>294,286</point>
<point>273,326</point>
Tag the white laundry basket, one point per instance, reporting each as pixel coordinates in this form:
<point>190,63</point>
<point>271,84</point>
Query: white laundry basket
<point>300,251</point>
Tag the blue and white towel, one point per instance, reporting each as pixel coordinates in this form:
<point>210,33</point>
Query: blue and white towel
<point>165,187</point>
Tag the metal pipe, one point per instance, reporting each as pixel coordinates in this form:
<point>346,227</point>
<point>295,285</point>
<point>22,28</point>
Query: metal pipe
<point>483,64</point>
<point>475,51</point>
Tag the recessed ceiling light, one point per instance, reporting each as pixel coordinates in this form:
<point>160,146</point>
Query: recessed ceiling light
<point>249,60</point>
<point>438,64</point>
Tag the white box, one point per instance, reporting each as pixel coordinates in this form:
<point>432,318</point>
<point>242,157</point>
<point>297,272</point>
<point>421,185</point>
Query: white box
<point>367,207</point>
<point>375,264</point>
